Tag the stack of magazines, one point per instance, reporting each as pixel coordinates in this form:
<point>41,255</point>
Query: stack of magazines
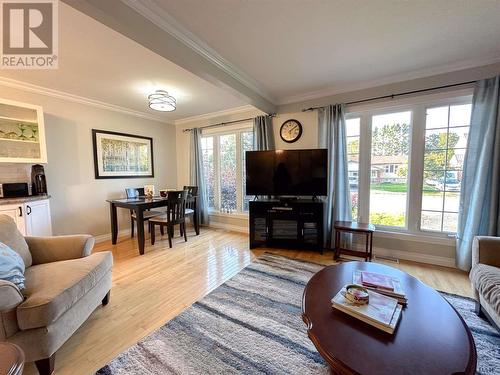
<point>381,311</point>
<point>383,284</point>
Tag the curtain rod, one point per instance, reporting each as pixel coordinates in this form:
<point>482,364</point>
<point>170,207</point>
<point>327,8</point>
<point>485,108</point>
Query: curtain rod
<point>224,123</point>
<point>392,96</point>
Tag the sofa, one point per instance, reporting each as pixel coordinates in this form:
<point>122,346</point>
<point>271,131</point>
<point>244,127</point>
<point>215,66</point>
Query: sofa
<point>64,284</point>
<point>485,277</point>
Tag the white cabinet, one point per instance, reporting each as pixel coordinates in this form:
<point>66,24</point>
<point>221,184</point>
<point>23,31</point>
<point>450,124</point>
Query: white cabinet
<point>32,218</point>
<point>37,218</point>
<point>15,211</point>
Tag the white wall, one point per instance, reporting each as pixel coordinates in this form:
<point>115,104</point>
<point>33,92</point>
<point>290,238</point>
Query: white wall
<point>78,200</point>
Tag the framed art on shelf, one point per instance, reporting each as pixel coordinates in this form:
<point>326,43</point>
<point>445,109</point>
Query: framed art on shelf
<point>120,155</point>
<point>22,133</point>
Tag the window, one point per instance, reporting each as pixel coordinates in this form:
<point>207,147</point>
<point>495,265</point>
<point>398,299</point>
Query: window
<point>224,168</point>
<point>405,165</point>
<point>390,147</point>
<point>352,131</point>
<point>446,132</point>
<point>207,146</point>
<point>246,145</point>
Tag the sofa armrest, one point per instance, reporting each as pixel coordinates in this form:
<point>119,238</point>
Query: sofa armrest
<point>10,298</point>
<point>486,250</point>
<point>57,248</point>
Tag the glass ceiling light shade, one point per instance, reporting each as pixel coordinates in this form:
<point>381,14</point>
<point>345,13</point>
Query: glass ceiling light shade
<point>160,100</point>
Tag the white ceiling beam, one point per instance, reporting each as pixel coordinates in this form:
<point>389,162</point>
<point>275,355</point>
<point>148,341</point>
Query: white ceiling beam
<point>138,22</point>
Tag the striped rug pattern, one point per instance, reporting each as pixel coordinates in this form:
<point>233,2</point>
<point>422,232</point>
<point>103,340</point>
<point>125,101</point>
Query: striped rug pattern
<point>251,324</point>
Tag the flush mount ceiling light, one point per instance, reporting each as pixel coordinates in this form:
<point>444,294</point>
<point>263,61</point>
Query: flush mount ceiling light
<point>160,100</point>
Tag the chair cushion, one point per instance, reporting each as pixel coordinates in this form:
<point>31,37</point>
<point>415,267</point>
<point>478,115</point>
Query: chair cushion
<point>149,214</point>
<point>11,266</point>
<point>53,288</point>
<point>10,235</point>
<point>486,280</point>
<point>159,219</point>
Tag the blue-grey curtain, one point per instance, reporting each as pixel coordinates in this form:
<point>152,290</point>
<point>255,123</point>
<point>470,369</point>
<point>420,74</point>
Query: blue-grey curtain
<point>263,135</point>
<point>479,198</point>
<point>197,177</point>
<point>332,136</point>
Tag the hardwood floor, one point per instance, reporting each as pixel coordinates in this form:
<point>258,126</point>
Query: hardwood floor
<point>152,289</point>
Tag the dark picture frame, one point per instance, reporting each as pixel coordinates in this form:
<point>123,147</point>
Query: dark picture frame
<point>124,145</point>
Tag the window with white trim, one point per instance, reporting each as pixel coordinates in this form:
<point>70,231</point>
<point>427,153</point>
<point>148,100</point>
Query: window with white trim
<point>224,168</point>
<point>405,163</point>
<point>446,133</point>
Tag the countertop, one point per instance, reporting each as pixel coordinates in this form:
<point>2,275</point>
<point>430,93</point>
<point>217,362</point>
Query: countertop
<point>31,198</point>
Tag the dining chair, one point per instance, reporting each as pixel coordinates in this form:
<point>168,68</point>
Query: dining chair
<point>176,214</point>
<point>192,206</point>
<point>136,193</point>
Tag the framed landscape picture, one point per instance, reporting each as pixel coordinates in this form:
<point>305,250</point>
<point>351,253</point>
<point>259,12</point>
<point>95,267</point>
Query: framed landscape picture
<point>119,155</point>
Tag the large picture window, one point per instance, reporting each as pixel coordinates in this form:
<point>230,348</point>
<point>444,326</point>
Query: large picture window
<point>405,165</point>
<point>390,148</point>
<point>446,132</point>
<point>224,168</point>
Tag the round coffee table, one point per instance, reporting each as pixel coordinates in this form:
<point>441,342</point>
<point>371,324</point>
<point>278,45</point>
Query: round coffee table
<point>431,337</point>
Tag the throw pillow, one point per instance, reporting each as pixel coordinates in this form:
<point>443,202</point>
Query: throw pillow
<point>11,266</point>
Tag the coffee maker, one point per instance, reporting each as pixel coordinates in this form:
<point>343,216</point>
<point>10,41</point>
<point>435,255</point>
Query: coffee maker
<point>38,181</point>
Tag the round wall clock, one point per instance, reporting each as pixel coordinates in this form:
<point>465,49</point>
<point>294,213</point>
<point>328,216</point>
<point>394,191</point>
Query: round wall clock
<point>290,131</point>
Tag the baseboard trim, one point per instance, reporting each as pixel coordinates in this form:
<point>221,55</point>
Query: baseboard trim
<point>107,237</point>
<point>399,254</point>
<point>415,257</point>
<point>229,227</point>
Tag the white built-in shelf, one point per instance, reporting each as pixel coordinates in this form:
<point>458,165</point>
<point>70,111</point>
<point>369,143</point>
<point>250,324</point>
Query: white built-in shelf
<point>18,140</point>
<point>32,122</point>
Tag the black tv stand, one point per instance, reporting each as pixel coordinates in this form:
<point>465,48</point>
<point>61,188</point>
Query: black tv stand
<point>285,200</point>
<point>293,223</point>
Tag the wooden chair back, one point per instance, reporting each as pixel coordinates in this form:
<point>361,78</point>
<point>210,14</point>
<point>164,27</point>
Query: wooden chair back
<point>134,192</point>
<point>176,206</point>
<point>192,195</point>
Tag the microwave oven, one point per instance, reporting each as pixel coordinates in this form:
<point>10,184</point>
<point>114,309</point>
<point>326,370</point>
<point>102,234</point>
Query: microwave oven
<point>14,190</point>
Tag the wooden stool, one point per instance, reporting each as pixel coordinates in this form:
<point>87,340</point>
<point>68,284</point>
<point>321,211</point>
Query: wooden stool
<point>11,359</point>
<point>354,227</point>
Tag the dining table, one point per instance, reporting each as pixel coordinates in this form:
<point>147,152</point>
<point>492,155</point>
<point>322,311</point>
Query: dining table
<point>138,205</point>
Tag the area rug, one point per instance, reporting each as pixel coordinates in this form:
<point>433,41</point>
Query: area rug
<point>252,324</point>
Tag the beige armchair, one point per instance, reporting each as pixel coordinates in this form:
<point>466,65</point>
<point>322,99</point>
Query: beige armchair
<point>485,277</point>
<point>64,284</point>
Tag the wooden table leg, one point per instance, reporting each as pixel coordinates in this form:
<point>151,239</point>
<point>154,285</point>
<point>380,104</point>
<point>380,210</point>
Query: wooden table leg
<point>337,244</point>
<point>114,223</point>
<point>366,246</point>
<point>139,215</point>
<point>371,246</point>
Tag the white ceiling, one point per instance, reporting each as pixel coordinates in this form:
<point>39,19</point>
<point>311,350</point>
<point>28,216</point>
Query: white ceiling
<point>283,50</point>
<point>100,64</point>
<point>298,49</point>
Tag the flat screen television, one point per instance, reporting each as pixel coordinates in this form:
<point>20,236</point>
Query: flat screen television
<point>287,172</point>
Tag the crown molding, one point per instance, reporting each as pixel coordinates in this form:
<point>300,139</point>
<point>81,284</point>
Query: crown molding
<point>162,19</point>
<point>423,73</point>
<point>211,115</point>
<point>25,86</point>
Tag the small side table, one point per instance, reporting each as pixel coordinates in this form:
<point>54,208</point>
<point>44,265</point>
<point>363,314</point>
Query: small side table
<point>354,227</point>
<point>11,359</point>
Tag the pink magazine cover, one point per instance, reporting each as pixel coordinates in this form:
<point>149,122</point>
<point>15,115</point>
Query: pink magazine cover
<point>377,280</point>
